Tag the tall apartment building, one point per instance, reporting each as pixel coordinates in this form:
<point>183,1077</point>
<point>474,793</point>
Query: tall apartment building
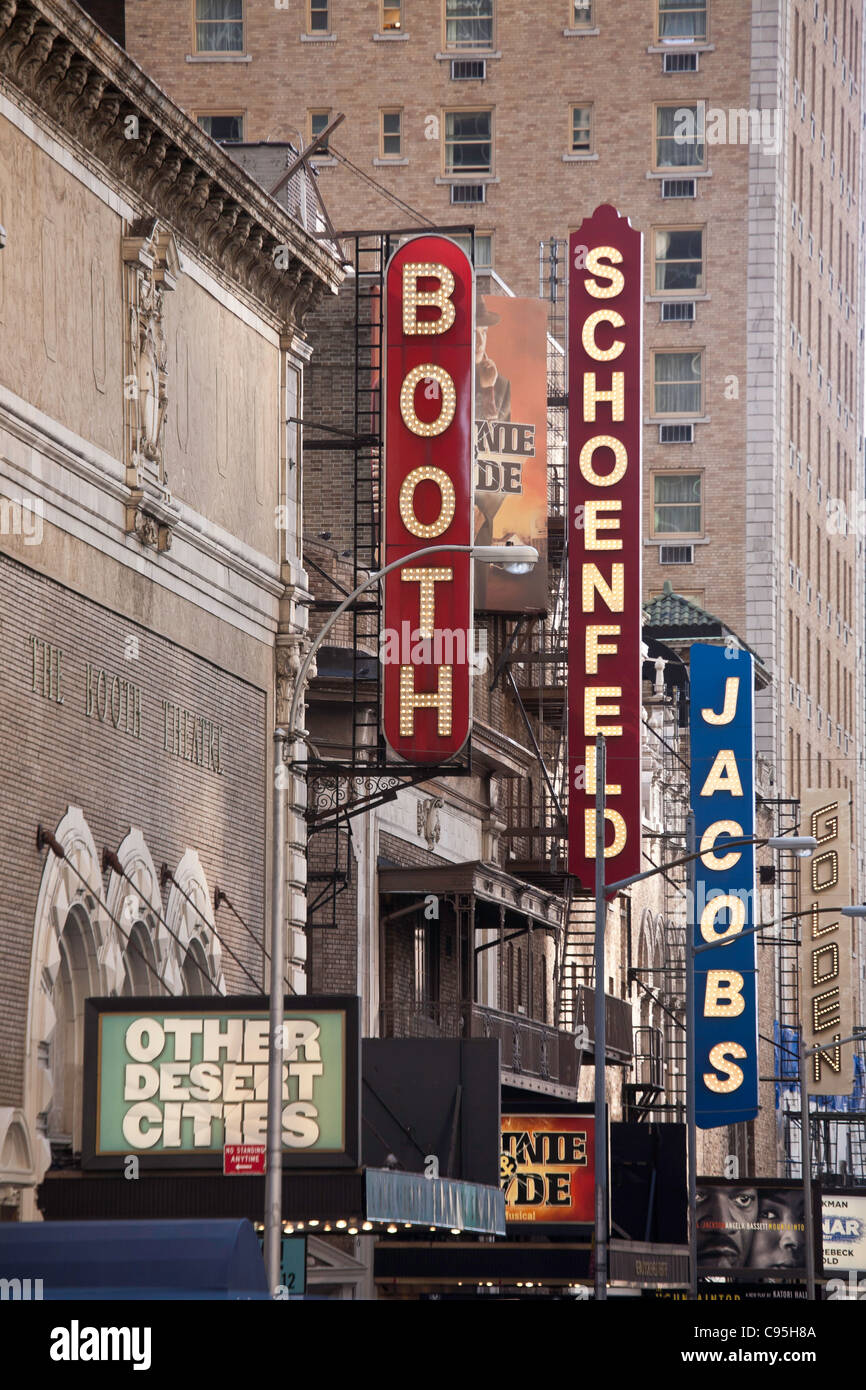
<point>730,134</point>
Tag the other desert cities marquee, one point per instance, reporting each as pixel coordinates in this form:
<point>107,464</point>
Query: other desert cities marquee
<point>176,1084</point>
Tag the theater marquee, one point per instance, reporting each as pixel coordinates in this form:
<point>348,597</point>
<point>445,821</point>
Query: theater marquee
<point>173,1083</point>
<point>547,1169</point>
<point>429,428</point>
<point>605,423</point>
<point>723,801</point>
<point>826,1001</point>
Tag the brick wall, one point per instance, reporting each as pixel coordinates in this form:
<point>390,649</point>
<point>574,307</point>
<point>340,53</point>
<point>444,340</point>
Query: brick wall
<point>60,757</point>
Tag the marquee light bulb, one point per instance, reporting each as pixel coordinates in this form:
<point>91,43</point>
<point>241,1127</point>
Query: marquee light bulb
<point>594,266</point>
<point>820,977</point>
<point>448,502</point>
<point>427,577</point>
<point>428,372</point>
<point>587,453</point>
<point>591,348</point>
<point>593,582</point>
<point>440,299</point>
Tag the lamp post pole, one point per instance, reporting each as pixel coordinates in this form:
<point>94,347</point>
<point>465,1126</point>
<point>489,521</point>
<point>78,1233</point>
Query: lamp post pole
<point>691,1126</point>
<point>600,1040</point>
<point>490,554</point>
<point>806,1163</point>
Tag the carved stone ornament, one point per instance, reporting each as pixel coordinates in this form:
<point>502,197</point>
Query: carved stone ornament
<point>428,820</point>
<point>151,267</point>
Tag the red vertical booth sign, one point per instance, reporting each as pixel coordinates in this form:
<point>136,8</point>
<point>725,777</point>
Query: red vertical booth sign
<point>604,568</point>
<point>426,640</point>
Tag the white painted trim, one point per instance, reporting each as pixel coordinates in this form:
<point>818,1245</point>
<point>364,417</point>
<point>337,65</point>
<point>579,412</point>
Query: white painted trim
<point>83,492</point>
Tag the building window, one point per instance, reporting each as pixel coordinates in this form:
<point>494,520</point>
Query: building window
<point>677,383</point>
<point>392,135</point>
<point>392,16</point>
<point>469,23</point>
<point>425,980</point>
<point>677,504</point>
<point>319,17</point>
<point>223,127</point>
<point>679,142</point>
<point>219,26</point>
<point>318,121</point>
<point>682,21</point>
<point>468,142</point>
<point>582,15</point>
<point>483,248</point>
<point>581,130</point>
<point>678,260</point>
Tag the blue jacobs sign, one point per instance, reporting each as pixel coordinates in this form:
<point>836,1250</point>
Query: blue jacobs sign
<point>723,801</point>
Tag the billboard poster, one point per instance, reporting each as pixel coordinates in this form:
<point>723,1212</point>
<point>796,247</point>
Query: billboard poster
<point>511,448</point>
<point>547,1169</point>
<point>826,997</point>
<point>175,1083</point>
<point>605,426</point>
<point>754,1227</point>
<point>426,641</point>
<point>843,1230</point>
<point>723,802</point>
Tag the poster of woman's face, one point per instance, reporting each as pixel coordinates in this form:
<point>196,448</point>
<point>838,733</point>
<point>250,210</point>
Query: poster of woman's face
<point>743,1226</point>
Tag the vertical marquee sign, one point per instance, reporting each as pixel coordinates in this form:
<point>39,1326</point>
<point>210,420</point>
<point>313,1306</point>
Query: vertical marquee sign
<point>826,1003</point>
<point>429,433</point>
<point>723,802</point>
<point>604,568</point>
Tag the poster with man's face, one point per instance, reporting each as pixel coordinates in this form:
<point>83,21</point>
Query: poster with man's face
<point>511,448</point>
<point>754,1227</point>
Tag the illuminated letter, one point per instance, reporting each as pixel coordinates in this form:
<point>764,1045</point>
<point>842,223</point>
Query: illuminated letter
<point>829,857</point>
<point>594,648</point>
<point>589,764</point>
<point>440,299</point>
<point>819,976</point>
<point>616,396</point>
<point>593,711</point>
<point>427,579</point>
<point>720,1056</point>
<point>427,474</point>
<point>708,839</point>
<point>603,441</point>
<point>723,997</point>
<point>591,347</point>
<point>737,909</point>
<point>729,709</point>
<point>614,596</point>
<point>438,699</point>
<point>619,833</point>
<point>595,521</point>
<point>427,372</point>
<point>724,776</point>
<point>826,1010</point>
<point>594,266</point>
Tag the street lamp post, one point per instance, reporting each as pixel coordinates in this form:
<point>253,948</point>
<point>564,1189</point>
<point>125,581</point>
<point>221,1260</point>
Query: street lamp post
<point>487,554</point>
<point>798,844</point>
<point>857,910</point>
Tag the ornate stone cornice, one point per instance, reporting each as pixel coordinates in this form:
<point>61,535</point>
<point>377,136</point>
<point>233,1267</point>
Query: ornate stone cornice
<point>63,65</point>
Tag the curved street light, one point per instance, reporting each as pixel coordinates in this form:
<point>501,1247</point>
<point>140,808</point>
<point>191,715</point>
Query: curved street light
<point>487,554</point>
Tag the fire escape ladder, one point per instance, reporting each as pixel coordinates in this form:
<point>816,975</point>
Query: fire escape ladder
<point>577,962</point>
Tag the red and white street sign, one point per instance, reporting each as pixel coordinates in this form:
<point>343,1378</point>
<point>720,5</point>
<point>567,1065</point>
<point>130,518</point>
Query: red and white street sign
<point>243,1159</point>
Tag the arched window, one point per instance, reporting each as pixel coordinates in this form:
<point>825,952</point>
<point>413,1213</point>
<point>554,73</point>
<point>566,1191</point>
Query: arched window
<point>77,979</point>
<point>195,971</point>
<point>140,971</point>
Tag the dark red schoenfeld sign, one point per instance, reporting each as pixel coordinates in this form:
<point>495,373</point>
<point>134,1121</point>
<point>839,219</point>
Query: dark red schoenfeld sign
<point>604,568</point>
<point>426,639</point>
